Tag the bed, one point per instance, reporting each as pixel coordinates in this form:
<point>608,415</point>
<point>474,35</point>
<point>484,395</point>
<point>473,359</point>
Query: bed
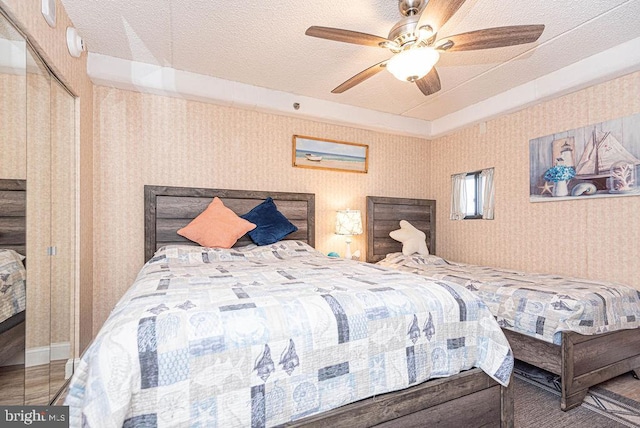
<point>581,360</point>
<point>12,271</point>
<point>183,289</point>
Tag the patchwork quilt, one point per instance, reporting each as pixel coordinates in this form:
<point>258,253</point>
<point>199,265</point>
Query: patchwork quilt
<point>260,336</point>
<point>12,284</point>
<point>538,305</point>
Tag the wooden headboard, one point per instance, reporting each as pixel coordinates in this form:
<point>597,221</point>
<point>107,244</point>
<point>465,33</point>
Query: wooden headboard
<point>13,209</point>
<point>384,215</point>
<point>168,209</point>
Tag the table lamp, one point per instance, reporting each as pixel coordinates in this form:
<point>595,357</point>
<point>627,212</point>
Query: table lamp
<point>348,223</point>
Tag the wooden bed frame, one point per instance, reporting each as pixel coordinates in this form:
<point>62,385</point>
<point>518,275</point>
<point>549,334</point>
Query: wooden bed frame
<point>13,208</point>
<point>470,398</point>
<point>581,361</point>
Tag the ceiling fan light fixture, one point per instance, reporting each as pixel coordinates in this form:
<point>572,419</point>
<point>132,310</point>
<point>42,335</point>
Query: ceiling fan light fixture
<point>413,64</point>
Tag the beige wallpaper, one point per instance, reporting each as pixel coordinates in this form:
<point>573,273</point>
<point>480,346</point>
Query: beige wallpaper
<point>38,209</point>
<point>62,213</point>
<point>587,238</point>
<point>51,44</point>
<point>13,146</point>
<point>146,139</point>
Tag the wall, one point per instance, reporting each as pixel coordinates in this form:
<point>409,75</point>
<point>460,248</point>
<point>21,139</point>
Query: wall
<point>51,44</point>
<point>146,139</point>
<point>587,238</point>
<point>13,109</point>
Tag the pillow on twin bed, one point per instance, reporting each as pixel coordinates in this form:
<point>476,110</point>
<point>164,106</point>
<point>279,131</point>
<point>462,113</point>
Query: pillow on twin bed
<point>413,240</point>
<point>217,226</point>
<point>272,225</point>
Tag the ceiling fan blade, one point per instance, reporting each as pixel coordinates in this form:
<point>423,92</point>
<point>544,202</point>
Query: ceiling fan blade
<point>493,37</point>
<point>360,77</point>
<point>437,12</point>
<point>346,36</point>
<point>429,84</point>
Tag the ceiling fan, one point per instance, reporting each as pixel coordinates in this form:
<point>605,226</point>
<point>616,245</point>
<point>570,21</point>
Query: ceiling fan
<point>416,48</point>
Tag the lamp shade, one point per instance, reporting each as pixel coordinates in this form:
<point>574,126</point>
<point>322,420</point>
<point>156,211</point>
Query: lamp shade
<point>413,64</point>
<point>348,222</point>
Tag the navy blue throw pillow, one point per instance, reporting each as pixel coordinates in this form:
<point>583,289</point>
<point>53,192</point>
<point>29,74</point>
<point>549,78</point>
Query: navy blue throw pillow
<point>272,226</point>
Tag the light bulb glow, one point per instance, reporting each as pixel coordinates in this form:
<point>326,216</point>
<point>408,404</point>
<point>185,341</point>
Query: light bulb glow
<point>413,64</point>
<point>348,222</point>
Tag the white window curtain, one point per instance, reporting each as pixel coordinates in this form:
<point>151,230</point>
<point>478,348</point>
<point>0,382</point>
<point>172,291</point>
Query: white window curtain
<point>489,193</point>
<point>458,197</point>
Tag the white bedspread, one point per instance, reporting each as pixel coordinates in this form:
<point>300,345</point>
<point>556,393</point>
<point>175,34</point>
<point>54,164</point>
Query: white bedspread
<point>538,305</point>
<point>259,336</point>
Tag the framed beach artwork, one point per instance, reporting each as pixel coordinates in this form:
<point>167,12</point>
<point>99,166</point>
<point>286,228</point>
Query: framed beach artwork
<point>309,152</point>
<point>595,161</point>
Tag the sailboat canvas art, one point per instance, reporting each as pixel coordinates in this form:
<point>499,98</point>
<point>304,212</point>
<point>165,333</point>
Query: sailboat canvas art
<point>595,161</point>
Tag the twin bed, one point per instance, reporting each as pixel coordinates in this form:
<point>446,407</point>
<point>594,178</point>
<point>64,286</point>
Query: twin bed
<point>584,331</point>
<point>281,335</point>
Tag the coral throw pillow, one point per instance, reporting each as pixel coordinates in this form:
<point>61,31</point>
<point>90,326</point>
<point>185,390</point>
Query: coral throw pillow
<point>217,226</point>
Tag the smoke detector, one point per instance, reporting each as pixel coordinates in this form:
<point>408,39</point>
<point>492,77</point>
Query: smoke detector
<point>75,44</point>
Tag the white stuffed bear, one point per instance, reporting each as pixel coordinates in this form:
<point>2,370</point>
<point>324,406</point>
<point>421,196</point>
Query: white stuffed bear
<point>413,240</point>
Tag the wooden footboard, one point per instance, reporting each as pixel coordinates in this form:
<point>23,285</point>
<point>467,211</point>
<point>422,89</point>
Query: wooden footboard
<point>470,398</point>
<point>581,361</point>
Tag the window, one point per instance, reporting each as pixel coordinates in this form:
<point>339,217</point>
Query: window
<point>474,187</point>
<point>472,195</point>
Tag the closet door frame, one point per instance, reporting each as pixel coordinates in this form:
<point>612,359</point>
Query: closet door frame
<point>56,199</point>
<point>62,347</point>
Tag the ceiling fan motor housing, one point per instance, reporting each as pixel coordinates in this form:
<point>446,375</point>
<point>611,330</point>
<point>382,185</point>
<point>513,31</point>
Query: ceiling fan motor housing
<point>410,7</point>
<point>403,32</point>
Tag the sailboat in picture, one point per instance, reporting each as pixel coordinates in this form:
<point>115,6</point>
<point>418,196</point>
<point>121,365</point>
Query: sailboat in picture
<point>607,163</point>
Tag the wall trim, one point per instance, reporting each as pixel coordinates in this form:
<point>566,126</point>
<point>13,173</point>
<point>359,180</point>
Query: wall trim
<point>148,78</point>
<point>43,354</point>
<point>153,79</point>
<point>606,65</point>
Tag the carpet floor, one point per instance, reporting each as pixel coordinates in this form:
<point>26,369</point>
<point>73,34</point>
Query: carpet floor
<point>537,404</point>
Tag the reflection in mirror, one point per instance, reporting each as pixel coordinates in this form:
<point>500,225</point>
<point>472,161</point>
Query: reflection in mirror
<point>63,184</point>
<point>12,290</point>
<point>13,164</point>
<point>37,354</point>
<point>37,139</point>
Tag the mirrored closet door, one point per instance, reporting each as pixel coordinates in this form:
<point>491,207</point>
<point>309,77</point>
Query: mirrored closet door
<point>13,175</point>
<point>63,237</point>
<point>39,158</point>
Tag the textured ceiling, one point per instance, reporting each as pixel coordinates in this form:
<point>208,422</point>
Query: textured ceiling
<point>262,43</point>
